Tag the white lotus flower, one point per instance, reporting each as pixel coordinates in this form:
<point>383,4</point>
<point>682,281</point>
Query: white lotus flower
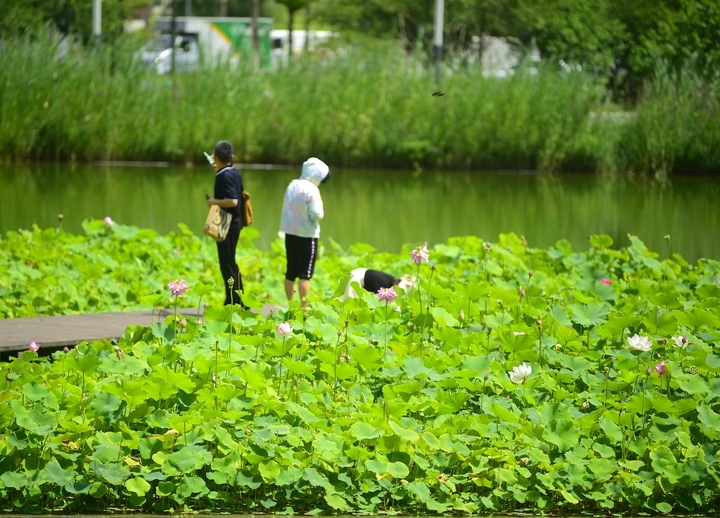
<point>285,329</point>
<point>520,373</point>
<point>640,343</point>
<point>681,341</point>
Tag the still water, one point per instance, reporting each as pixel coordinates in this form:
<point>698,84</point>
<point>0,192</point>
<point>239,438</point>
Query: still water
<point>382,208</point>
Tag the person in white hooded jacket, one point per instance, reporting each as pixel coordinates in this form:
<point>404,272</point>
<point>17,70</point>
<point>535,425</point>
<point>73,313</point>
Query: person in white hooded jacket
<point>300,224</point>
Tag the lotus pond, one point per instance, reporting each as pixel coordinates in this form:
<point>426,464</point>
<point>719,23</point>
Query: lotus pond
<point>510,379</point>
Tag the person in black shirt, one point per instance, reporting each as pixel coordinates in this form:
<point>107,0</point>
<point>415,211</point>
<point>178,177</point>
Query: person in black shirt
<point>227,194</point>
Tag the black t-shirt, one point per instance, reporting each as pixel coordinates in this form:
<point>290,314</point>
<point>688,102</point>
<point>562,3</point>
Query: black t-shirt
<point>374,280</point>
<point>228,184</point>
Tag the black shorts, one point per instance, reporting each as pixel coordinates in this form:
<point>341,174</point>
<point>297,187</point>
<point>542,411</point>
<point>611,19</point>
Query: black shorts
<point>301,254</point>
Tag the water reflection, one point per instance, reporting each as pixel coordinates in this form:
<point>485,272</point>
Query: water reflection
<point>383,208</point>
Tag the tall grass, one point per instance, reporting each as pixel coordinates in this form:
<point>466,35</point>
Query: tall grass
<point>351,107</point>
<point>678,125</point>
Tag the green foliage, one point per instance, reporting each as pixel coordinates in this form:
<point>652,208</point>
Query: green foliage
<point>225,415</point>
<point>373,106</point>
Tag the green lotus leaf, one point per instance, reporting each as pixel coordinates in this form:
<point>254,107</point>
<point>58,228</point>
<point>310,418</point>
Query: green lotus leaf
<point>34,421</point>
<point>36,392</point>
<point>269,470</point>
<point>472,290</point>
<point>503,414</point>
<point>155,300</point>
<point>189,458</point>
<point>569,496</point>
<point>113,473</point>
<point>431,440</point>
<point>398,469</point>
<point>601,241</point>
<point>106,453</point>
<point>604,450</point>
<point>588,315</point>
<point>254,376</point>
<point>165,488</point>
<point>603,469</point>
<point>78,487</point>
<point>710,419</point>
<point>336,502</point>
<point>137,485</point>
<point>377,466</point>
<point>562,433</point>
<point>443,317</point>
<point>201,289</point>
<point>364,431</point>
<point>713,361</point>
<point>497,320</point>
<point>192,485</point>
<point>369,358</point>
<point>664,463</point>
<point>406,434</point>
<point>692,384</point>
<point>617,324</point>
<point>516,343</point>
<point>315,478</point>
<point>105,403</point>
<point>289,475</point>
<point>663,405</point>
<point>303,413</point>
<point>560,316</point>
<point>697,318</point>
<point>297,367</point>
<point>664,507</point>
<point>13,479</point>
<point>57,475</point>
<point>246,479</point>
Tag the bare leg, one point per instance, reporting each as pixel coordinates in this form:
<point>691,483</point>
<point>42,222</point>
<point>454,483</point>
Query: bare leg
<point>304,290</point>
<point>289,289</point>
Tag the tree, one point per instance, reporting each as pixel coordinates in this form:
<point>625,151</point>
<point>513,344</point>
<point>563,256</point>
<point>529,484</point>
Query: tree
<point>293,6</point>
<point>69,17</point>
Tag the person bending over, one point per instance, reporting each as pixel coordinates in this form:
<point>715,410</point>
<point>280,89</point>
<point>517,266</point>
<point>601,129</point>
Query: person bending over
<point>373,280</point>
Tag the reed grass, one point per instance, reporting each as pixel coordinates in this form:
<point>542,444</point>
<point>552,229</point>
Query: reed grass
<point>351,107</point>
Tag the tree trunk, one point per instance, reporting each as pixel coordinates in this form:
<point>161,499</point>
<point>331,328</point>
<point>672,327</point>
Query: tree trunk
<point>291,19</point>
<point>255,16</point>
<point>307,28</point>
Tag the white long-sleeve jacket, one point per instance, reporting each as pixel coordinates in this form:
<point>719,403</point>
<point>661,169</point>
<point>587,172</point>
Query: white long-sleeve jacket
<point>302,205</point>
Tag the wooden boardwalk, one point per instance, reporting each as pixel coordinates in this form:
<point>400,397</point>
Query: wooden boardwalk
<point>56,332</point>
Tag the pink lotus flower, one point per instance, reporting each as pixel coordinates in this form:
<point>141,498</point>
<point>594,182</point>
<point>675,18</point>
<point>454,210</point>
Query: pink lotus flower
<point>606,281</point>
<point>66,350</point>
<point>108,221</point>
<point>530,273</point>
<point>177,288</point>
<point>386,294</point>
<point>661,369</point>
<point>284,329</point>
<point>34,347</point>
<point>420,254</point>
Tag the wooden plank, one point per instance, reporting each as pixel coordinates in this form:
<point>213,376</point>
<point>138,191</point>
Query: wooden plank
<point>55,332</point>
<point>67,330</point>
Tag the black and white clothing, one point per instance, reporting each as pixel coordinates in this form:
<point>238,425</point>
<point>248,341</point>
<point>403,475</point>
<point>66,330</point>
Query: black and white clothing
<point>228,185</point>
<point>370,280</point>
<point>301,257</point>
